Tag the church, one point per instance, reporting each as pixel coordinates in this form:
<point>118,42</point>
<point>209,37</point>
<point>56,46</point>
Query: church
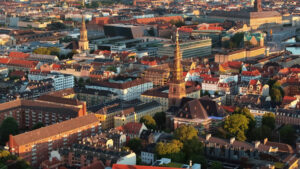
<point>182,103</point>
<point>255,18</point>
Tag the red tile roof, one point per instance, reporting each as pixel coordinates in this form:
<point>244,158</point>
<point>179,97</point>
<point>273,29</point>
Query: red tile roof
<point>251,73</point>
<point>131,128</point>
<point>18,55</point>
<point>122,166</point>
<point>4,61</point>
<point>253,82</point>
<point>55,129</point>
<point>288,99</point>
<point>157,19</point>
<point>23,63</point>
<point>211,79</point>
<point>149,63</point>
<point>229,109</point>
<point>56,67</point>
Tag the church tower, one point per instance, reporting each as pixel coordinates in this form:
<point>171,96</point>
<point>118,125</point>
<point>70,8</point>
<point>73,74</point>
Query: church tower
<point>177,83</point>
<point>257,6</point>
<point>83,43</point>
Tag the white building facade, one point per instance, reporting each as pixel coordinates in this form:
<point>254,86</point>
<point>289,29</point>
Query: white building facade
<point>60,81</point>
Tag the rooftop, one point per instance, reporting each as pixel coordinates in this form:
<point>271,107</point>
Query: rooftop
<point>55,129</point>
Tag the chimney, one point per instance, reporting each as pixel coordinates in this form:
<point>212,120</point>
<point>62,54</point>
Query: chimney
<point>232,140</point>
<point>11,142</point>
<point>191,163</point>
<point>208,136</point>
<point>265,140</point>
<point>257,143</point>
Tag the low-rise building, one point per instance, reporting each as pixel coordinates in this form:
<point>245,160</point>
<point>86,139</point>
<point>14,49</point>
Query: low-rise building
<point>149,108</point>
<point>238,55</point>
<point>126,88</point>
<point>250,75</point>
<point>47,110</point>
<point>35,146</point>
<point>234,150</point>
<point>188,48</point>
<point>60,81</point>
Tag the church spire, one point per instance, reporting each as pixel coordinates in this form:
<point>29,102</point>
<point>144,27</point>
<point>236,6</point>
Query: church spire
<point>177,84</point>
<point>83,42</point>
<point>177,70</point>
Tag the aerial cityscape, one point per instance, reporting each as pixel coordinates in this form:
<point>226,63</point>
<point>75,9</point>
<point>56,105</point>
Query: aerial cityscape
<point>149,84</point>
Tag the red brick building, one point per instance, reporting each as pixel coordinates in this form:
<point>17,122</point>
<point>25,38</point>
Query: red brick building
<point>35,146</point>
<point>46,109</point>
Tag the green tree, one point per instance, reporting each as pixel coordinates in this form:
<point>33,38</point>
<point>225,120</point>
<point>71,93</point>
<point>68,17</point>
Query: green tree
<point>206,93</point>
<point>54,51</point>
<point>160,119</point>
<point>148,121</point>
<point>287,134</point>
<point>37,125</point>
<point>8,126</point>
<point>237,125</point>
<point>275,95</point>
<point>200,159</point>
<point>112,68</point>
<point>185,132</point>
<point>216,165</point>
<point>177,23</point>
<point>42,50</point>
<point>56,26</point>
<point>260,133</point>
<point>80,82</point>
<point>94,4</point>
<point>135,145</point>
<point>172,147</point>
<point>192,147</point>
<point>47,51</point>
<point>246,112</point>
<point>269,120</point>
<point>276,92</point>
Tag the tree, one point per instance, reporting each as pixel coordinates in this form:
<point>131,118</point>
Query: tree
<point>185,132</point>
<point>54,51</point>
<point>172,147</point>
<point>216,165</point>
<point>42,50</point>
<point>269,120</point>
<point>8,126</point>
<point>148,121</point>
<point>192,147</point>
<point>237,125</point>
<point>94,4</point>
<point>112,69</point>
<point>135,145</point>
<point>246,112</point>
<point>47,51</point>
<point>216,93</point>
<point>287,134</point>
<point>275,95</point>
<point>160,119</point>
<point>206,93</point>
<point>276,92</point>
<point>37,125</point>
<point>177,23</point>
<point>171,150</point>
<point>80,82</point>
<point>200,159</point>
<point>56,26</point>
<point>260,133</point>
